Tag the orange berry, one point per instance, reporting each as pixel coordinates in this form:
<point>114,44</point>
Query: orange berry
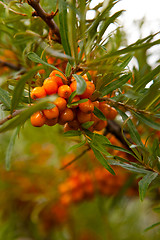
<point>105,108</point>
<point>51,113</point>
<point>73,86</point>
<point>113,113</point>
<point>67,128</point>
<point>60,103</point>
<point>75,99</point>
<point>96,104</point>
<point>74,124</point>
<point>67,115</point>
<point>64,91</point>
<point>100,125</point>
<point>95,119</point>
<point>86,107</point>
<point>50,60</point>
<point>38,92</point>
<point>38,119</point>
<point>51,122</point>
<point>83,117</point>
<point>90,88</point>
<point>58,79</point>
<point>50,86</point>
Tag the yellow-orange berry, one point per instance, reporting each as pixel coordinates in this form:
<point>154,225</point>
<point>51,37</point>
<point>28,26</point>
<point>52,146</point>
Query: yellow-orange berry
<point>100,125</point>
<point>75,99</point>
<point>90,88</point>
<point>67,128</point>
<point>96,104</point>
<point>73,86</point>
<point>95,119</point>
<point>67,115</point>
<point>105,108</point>
<point>58,79</point>
<point>61,103</point>
<point>38,92</point>
<point>113,113</point>
<point>74,124</point>
<point>50,86</point>
<point>38,119</point>
<point>51,113</point>
<point>51,122</point>
<point>86,107</point>
<point>64,91</point>
<point>83,117</point>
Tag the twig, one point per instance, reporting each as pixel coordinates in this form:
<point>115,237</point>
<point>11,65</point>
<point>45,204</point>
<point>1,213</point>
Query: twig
<point>127,107</point>
<point>48,18</point>
<point>11,10</point>
<point>14,114</point>
<point>10,65</point>
<point>75,159</point>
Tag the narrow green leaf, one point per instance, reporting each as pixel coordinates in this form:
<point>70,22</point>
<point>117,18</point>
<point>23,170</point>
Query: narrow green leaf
<point>78,145</point>
<point>81,84</point>
<point>63,26</point>
<point>99,114</point>
<point>115,84</point>
<point>87,125</point>
<point>132,129</point>
<point>147,121</point>
<point>19,88</point>
<point>4,98</point>
<point>119,149</point>
<point>73,94</point>
<point>102,160</point>
<point>10,148</point>
<point>76,103</point>
<point>146,79</point>
<point>72,133</point>
<point>68,70</point>
<point>152,226</point>
<point>23,116</point>
<point>35,58</point>
<point>145,182</point>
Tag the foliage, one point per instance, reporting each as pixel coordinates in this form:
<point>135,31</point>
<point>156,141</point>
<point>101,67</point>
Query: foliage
<point>32,44</point>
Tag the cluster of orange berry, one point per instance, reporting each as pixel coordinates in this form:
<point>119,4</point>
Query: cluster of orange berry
<point>82,185</point>
<point>75,114</point>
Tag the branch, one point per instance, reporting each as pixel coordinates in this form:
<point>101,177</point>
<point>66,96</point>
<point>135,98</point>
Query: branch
<point>47,18</point>
<point>11,10</point>
<point>127,107</point>
<point>10,65</point>
<point>14,114</point>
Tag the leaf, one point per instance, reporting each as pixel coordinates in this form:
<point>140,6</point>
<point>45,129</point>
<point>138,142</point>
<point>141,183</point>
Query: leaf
<point>81,84</point>
<point>132,129</point>
<point>115,84</point>
<point>23,116</point>
<point>72,133</point>
<point>99,114</point>
<point>35,58</point>
<point>152,226</point>
<point>10,148</point>
<point>147,121</point>
<point>4,98</point>
<point>63,26</point>
<point>102,160</point>
<point>76,146</point>
<point>73,94</point>
<point>68,70</point>
<point>76,103</point>
<point>87,125</point>
<point>146,79</point>
<point>19,88</point>
<point>145,182</point>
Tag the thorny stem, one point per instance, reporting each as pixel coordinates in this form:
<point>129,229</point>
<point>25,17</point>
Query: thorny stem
<point>47,18</point>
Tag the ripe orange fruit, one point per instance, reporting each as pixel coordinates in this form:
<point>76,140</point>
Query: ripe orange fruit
<point>90,88</point>
<point>58,79</point>
<point>113,113</point>
<point>60,103</point>
<point>51,122</point>
<point>67,115</point>
<point>67,128</point>
<point>83,117</point>
<point>86,107</point>
<point>64,91</point>
<point>38,119</point>
<point>74,124</point>
<point>75,99</point>
<point>73,86</point>
<point>51,113</point>
<point>100,125</point>
<point>50,86</point>
<point>95,119</point>
<point>96,104</point>
<point>38,92</point>
<point>105,108</point>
